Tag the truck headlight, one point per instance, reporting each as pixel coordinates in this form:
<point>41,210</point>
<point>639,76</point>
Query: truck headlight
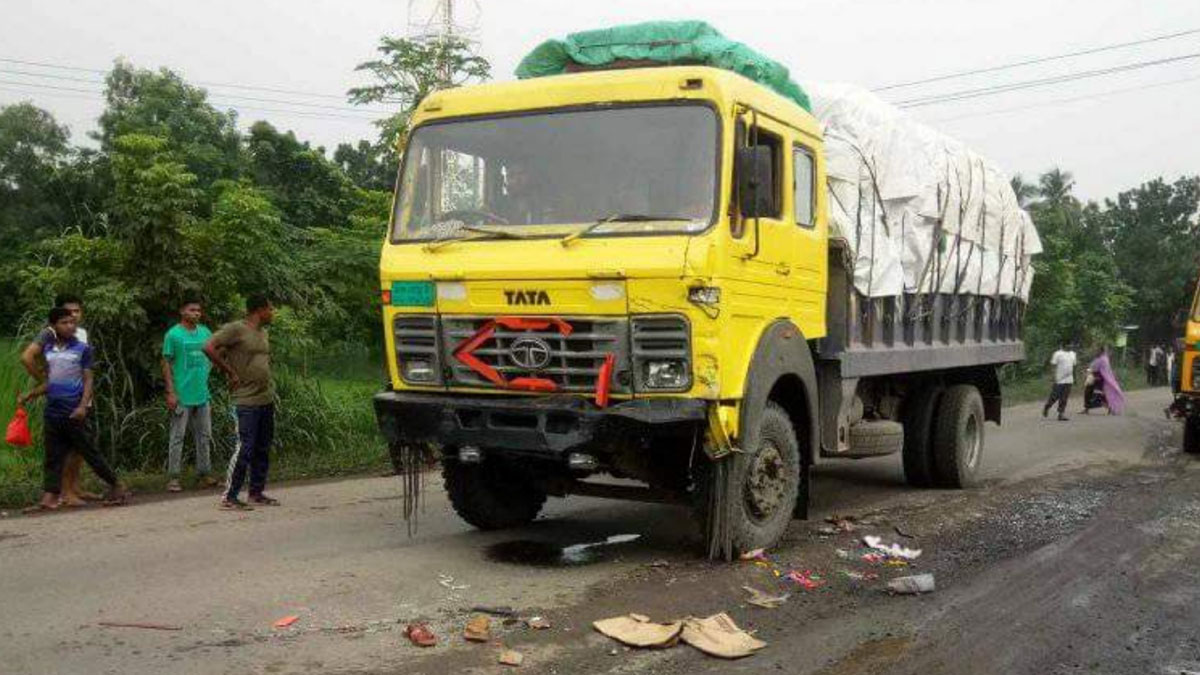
<point>418,370</point>
<point>667,374</point>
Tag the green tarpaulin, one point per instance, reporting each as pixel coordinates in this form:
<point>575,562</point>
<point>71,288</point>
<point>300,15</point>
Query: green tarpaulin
<point>667,42</point>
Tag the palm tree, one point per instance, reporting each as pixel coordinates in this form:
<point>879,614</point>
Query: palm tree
<point>1055,186</point>
<point>1026,192</point>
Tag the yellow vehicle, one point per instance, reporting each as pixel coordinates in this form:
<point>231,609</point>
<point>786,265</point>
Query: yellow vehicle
<point>629,273</point>
<point>1185,379</point>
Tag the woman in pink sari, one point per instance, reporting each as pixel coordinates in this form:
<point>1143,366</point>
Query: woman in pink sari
<point>1102,371</point>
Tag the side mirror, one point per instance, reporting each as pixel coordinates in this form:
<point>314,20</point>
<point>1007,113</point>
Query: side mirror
<point>755,181</point>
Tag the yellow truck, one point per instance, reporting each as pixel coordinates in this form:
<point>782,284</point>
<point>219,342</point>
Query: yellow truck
<point>629,273</point>
<point>1185,379</point>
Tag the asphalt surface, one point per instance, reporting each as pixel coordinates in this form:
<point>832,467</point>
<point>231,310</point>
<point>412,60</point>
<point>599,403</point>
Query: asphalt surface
<point>1076,555</point>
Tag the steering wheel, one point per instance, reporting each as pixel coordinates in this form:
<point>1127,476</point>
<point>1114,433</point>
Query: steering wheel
<point>473,216</point>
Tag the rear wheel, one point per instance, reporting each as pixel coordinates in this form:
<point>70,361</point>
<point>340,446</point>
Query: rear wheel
<point>1191,435</point>
<point>492,495</point>
<point>958,437</point>
<point>918,436</point>
<point>765,484</point>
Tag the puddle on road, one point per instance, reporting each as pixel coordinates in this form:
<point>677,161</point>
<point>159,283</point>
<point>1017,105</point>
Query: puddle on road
<point>549,554</point>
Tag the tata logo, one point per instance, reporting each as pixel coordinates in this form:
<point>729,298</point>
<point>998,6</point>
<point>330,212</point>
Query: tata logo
<point>530,353</point>
<point>533,297</point>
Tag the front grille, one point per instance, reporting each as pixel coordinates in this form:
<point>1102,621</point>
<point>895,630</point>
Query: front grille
<point>574,360</point>
<point>416,338</point>
<point>660,338</point>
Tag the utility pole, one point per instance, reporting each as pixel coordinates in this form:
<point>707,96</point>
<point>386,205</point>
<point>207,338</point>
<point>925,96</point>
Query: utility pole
<point>440,22</point>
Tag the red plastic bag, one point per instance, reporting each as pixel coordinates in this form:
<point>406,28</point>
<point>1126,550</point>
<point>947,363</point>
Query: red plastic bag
<point>18,430</point>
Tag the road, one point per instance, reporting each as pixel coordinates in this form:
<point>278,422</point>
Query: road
<point>1076,553</point>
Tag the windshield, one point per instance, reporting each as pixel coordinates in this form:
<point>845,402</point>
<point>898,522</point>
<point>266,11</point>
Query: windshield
<point>639,169</point>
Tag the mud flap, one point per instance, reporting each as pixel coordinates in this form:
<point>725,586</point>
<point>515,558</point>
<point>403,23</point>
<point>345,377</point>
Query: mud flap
<point>720,491</point>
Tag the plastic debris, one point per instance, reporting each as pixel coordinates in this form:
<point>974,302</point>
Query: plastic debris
<point>861,576</point>
<point>913,585</point>
<point>286,621</point>
<point>873,558</point>
<point>842,524</point>
<point>420,635</point>
<point>510,658</point>
<point>719,636</point>
<point>842,553</point>
<point>756,554</point>
<point>574,551</point>
<point>760,599</point>
<point>637,630</point>
<point>537,622</point>
<point>891,550</point>
<point>896,562</point>
<point>806,579</point>
<point>660,563</point>
<point>478,629</point>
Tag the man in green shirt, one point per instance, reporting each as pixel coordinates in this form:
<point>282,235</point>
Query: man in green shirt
<point>241,350</point>
<point>185,370</point>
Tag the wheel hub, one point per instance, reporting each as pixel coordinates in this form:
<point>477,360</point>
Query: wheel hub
<point>973,441</point>
<point>766,483</point>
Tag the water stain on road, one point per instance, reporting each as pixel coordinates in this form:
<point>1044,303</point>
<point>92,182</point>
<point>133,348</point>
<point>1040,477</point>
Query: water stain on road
<point>550,554</point>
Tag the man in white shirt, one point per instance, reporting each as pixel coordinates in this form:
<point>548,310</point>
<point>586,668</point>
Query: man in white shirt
<point>1063,362</point>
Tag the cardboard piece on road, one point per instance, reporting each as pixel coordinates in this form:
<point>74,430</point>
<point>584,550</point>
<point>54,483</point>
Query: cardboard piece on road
<point>479,629</point>
<point>914,585</point>
<point>510,658</point>
<point>760,599</point>
<point>286,621</point>
<point>637,630</point>
<point>719,636</point>
<point>538,622</point>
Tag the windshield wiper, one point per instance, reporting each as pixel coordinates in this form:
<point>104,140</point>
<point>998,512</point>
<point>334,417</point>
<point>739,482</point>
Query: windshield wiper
<point>618,218</point>
<point>478,232</point>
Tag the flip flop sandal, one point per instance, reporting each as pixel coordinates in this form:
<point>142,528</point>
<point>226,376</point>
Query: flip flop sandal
<point>264,500</point>
<point>420,635</point>
<point>117,499</point>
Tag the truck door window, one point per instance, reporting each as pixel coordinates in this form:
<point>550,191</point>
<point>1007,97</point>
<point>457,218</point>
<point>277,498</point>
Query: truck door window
<point>803,184</point>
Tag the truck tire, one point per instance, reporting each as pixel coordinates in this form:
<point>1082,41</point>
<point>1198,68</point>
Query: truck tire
<point>1191,435</point>
<point>875,438</point>
<point>491,495</point>
<point>958,437</point>
<point>918,436</point>
<point>767,483</point>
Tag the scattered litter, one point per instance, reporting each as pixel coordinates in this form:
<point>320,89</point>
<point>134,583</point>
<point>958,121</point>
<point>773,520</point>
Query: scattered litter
<point>286,621</point>
<point>636,630</point>
<point>806,580</point>
<point>842,553</point>
<point>842,524</point>
<point>719,636</point>
<point>510,658</point>
<point>873,558</point>
<point>892,550</point>
<point>478,629</point>
<point>914,585</point>
<point>570,553</point>
<point>538,622</point>
<point>495,611</point>
<point>896,562</point>
<point>420,635</point>
<point>660,563</point>
<point>904,534</point>
<point>146,626</point>
<point>756,554</point>
<point>447,581</point>
<point>861,576</point>
<point>760,599</point>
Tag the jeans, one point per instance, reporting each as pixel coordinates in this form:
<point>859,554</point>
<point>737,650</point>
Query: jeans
<point>62,436</point>
<point>256,430</point>
<point>1060,393</point>
<point>198,418</point>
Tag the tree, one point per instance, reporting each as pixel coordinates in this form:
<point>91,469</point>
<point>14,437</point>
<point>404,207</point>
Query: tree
<point>409,70</point>
<point>1154,235</point>
<point>161,104</point>
<point>1025,192</point>
<point>309,190</point>
<point>366,164</point>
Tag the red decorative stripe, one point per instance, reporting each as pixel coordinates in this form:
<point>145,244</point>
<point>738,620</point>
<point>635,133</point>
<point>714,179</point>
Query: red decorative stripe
<point>604,380</point>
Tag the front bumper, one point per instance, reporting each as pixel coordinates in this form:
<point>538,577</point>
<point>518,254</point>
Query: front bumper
<point>541,426</point>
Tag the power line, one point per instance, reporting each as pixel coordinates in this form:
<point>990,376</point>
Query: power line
<point>226,85</point>
<point>1043,104</point>
<point>1043,59</point>
<point>965,94</point>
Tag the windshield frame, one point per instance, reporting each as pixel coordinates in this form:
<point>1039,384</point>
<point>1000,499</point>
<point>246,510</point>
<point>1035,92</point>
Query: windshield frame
<point>718,161</point>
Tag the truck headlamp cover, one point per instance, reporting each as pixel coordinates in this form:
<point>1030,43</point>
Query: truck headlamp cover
<point>666,374</point>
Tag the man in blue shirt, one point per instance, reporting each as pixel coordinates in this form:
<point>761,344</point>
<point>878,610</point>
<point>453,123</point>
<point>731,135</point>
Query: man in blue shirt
<point>68,390</point>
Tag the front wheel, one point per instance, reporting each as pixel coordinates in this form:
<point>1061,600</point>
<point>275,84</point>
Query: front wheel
<point>492,495</point>
<point>762,486</point>
<point>1191,435</point>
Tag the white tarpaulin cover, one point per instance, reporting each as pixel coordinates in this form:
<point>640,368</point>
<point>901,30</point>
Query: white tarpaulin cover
<point>919,211</point>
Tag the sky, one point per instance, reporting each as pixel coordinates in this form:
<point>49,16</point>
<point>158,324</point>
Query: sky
<point>1112,132</point>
